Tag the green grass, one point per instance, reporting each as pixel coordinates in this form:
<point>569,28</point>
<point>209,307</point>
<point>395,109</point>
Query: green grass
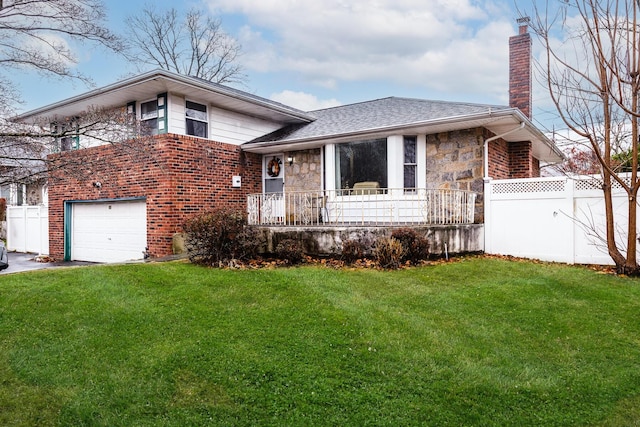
<point>475,342</point>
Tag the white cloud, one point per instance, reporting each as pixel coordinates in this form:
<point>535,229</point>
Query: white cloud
<point>454,46</point>
<point>303,101</point>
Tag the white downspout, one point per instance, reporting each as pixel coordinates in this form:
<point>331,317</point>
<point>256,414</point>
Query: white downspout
<point>486,148</point>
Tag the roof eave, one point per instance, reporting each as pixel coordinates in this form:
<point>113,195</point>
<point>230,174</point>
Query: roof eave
<point>474,120</point>
<point>548,152</point>
<point>294,114</point>
<point>259,147</point>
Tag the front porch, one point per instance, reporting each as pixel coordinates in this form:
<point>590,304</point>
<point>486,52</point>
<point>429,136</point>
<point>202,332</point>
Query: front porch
<point>364,206</point>
<point>323,220</point>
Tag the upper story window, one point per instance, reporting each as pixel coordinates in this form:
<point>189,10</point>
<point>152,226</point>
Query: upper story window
<point>197,119</point>
<point>410,163</point>
<point>67,135</point>
<point>149,117</point>
<point>362,165</point>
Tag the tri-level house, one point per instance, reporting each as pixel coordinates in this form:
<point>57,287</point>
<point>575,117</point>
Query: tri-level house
<point>379,163</point>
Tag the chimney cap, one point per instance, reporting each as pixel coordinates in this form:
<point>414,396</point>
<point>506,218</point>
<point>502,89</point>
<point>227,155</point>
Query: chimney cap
<point>524,24</point>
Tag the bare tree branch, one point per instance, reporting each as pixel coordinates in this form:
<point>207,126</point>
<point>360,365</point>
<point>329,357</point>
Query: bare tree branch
<point>35,34</point>
<point>28,151</point>
<point>195,45</point>
<point>41,35</point>
<point>592,71</point>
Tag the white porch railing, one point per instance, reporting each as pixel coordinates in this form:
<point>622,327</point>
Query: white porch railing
<point>362,207</point>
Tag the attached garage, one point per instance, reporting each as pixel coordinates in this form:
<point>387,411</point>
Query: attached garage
<point>105,231</point>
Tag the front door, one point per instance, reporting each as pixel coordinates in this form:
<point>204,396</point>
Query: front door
<point>273,205</point>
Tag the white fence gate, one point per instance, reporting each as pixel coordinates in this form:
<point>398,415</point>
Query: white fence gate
<point>552,219</point>
<point>28,229</point>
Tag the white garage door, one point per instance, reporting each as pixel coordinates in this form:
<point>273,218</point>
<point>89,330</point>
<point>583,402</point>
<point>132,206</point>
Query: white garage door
<point>109,231</point>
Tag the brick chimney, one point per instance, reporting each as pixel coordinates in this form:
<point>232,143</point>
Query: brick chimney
<point>520,69</point>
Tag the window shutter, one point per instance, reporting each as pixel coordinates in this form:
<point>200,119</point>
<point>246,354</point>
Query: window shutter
<point>131,109</point>
<point>162,113</point>
<point>75,138</point>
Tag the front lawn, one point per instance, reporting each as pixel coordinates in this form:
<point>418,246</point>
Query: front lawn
<point>473,342</point>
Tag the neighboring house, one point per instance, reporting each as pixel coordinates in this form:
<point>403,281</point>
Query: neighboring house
<point>22,179</point>
<point>19,194</point>
<point>386,161</point>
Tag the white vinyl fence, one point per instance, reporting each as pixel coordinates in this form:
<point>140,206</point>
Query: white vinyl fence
<point>552,219</point>
<point>28,229</point>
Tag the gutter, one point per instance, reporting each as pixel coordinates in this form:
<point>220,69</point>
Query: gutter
<point>485,115</point>
<point>486,148</point>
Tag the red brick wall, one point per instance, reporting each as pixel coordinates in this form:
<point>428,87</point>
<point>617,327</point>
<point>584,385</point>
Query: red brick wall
<point>523,164</point>
<point>510,160</point>
<point>178,175</point>
<point>520,71</point>
<point>499,162</point>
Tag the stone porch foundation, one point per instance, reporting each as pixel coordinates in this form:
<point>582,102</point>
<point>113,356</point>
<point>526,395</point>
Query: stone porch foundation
<point>327,241</point>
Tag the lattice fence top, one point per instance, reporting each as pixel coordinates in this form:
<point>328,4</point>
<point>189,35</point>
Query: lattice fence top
<point>553,185</point>
<point>589,184</point>
<point>595,183</point>
<point>546,186</point>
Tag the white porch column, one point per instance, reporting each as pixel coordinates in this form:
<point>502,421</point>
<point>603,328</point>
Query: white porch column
<point>395,161</point>
<point>421,158</point>
<point>330,167</point>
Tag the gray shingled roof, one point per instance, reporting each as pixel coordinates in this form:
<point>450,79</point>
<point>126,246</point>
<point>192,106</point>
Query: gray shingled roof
<point>376,114</point>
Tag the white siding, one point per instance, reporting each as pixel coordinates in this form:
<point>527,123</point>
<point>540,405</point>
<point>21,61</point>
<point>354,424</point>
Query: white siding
<point>176,114</point>
<point>224,125</point>
<point>112,133</point>
<point>235,128</point>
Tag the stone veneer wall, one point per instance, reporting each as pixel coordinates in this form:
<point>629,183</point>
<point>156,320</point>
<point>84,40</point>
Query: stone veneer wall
<point>178,176</point>
<point>305,174</point>
<point>455,161</point>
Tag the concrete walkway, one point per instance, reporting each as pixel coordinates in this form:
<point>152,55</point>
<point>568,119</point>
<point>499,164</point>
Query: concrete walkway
<point>20,262</point>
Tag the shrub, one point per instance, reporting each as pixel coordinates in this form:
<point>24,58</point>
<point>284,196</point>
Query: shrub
<point>353,250</point>
<point>248,243</point>
<point>218,236</point>
<point>290,250</point>
<point>388,252</point>
<point>414,247</point>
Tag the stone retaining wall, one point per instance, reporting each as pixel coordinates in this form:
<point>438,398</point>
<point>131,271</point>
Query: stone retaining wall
<point>326,241</point>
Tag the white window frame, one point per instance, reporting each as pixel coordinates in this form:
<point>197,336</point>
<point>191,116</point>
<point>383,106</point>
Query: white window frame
<point>349,186</point>
<point>67,135</point>
<point>196,119</point>
<point>414,164</point>
<point>149,118</point>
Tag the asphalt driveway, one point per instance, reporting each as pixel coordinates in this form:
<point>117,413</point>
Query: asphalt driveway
<point>19,262</point>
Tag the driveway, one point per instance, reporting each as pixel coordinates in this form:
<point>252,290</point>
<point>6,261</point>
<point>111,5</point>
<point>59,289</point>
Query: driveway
<point>19,262</point>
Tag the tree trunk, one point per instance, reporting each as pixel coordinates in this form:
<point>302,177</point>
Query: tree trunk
<point>614,252</point>
<point>631,265</point>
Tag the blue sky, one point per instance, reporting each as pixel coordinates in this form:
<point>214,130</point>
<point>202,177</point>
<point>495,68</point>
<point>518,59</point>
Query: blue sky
<point>311,54</point>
